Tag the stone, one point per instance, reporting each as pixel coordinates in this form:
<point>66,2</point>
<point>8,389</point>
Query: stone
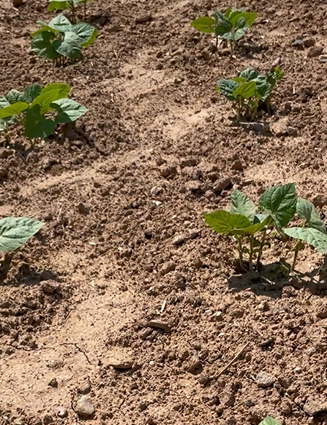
<point>119,360</point>
<point>53,383</point>
<point>321,311</point>
<point>84,208</point>
<point>315,51</point>
<point>84,387</point>
<point>180,239</point>
<point>237,165</point>
<point>221,184</point>
<point>158,324</point>
<point>313,407</point>
<point>143,18</point>
<point>168,170</point>
<point>62,412</point>
<point>265,379</point>
<point>323,58</point>
<point>17,3</point>
<point>167,267</point>
<point>309,41</point>
<point>84,406</point>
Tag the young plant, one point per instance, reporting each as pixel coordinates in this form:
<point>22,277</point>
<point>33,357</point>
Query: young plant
<point>229,26</point>
<point>67,4</point>
<point>277,206</point>
<point>250,91</point>
<point>313,231</point>
<point>14,232</point>
<point>60,40</point>
<point>39,111</point>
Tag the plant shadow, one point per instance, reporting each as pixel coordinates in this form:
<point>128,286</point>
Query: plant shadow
<point>273,278</point>
<point>261,128</point>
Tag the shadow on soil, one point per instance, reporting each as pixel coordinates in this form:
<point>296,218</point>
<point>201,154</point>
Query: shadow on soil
<point>271,280</point>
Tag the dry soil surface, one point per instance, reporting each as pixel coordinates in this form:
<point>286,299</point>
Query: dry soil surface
<point>126,301</point>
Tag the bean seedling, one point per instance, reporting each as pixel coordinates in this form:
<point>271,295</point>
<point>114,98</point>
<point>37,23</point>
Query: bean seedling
<point>60,40</point>
<point>14,232</point>
<point>39,110</point>
<point>277,206</point>
<point>229,26</point>
<point>67,4</point>
<point>250,91</point>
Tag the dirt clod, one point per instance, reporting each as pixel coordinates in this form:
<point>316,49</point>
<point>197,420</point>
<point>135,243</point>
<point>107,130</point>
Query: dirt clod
<point>265,379</point>
<point>84,406</point>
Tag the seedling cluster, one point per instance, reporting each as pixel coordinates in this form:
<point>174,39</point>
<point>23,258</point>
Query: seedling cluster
<point>60,40</point>
<point>249,224</point>
<point>249,90</point>
<point>39,111</point>
<point>229,26</point>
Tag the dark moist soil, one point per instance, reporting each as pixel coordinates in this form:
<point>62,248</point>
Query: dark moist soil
<point>125,296</point>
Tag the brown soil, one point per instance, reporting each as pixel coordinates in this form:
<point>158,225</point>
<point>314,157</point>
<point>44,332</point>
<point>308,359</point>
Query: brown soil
<point>75,310</point>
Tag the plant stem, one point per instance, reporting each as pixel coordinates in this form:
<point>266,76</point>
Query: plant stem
<point>85,9</point>
<point>297,248</point>
<point>263,240</point>
<point>240,252</point>
<point>251,253</point>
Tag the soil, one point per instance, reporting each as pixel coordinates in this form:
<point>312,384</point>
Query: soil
<point>125,297</point>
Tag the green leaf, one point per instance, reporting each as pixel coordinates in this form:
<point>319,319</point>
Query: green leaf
<point>225,223</point>
<point>3,102</point>
<point>307,212</point>
<point>15,109</point>
<point>15,231</point>
<point>248,17</point>
<point>31,92</point>
<point>263,91</point>
<point>245,90</point>
<point>242,205</point>
<point>14,96</point>
<point>249,74</point>
<point>253,229</point>
<point>49,94</point>
<point>60,23</point>
<point>68,110</point>
<point>37,126</point>
<point>86,32</point>
<point>311,236</point>
<point>70,46</point>
<point>57,5</point>
<point>204,24</point>
<point>269,421</point>
<point>280,203</point>
<point>227,88</point>
<point>41,45</point>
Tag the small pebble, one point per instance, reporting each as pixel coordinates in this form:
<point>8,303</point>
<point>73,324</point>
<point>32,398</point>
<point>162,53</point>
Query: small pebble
<point>265,379</point>
<point>84,406</point>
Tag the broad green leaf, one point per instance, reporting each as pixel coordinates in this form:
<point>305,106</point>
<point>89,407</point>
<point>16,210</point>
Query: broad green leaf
<point>234,15</point>
<point>253,229</point>
<point>259,218</point>
<point>69,47</point>
<point>242,205</point>
<point>49,94</point>
<point>307,212</point>
<point>311,236</point>
<point>15,109</point>
<point>227,87</point>
<point>263,91</point>
<point>44,27</point>
<point>15,231</point>
<point>248,17</point>
<point>245,90</point>
<point>223,30</point>
<point>249,74</point>
<point>41,45</point>
<point>280,203</point>
<point>57,5</point>
<point>14,96</point>
<point>85,32</point>
<point>35,125</point>
<point>31,92</point>
<point>238,34</point>
<point>68,110</point>
<point>60,23</point>
<point>269,421</point>
<point>225,223</point>
<point>204,24</point>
